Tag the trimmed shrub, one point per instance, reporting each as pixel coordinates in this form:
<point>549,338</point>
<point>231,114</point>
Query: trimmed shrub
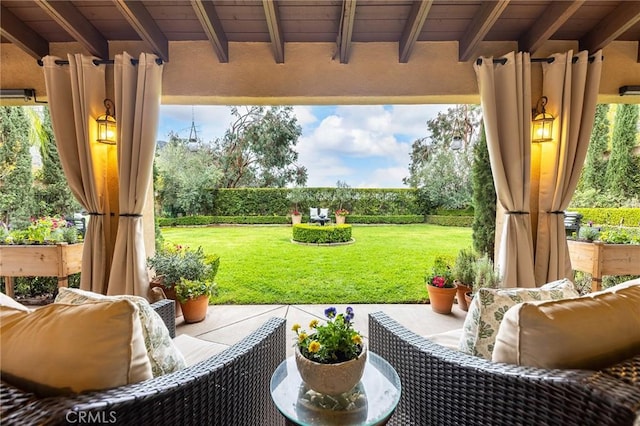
<point>393,219</point>
<point>213,220</point>
<point>268,201</point>
<point>305,233</point>
<point>279,220</point>
<point>606,216</point>
<point>462,221</point>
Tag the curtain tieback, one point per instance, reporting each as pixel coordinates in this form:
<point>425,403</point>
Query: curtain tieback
<point>516,212</point>
<point>130,215</point>
<point>95,214</point>
<point>556,212</point>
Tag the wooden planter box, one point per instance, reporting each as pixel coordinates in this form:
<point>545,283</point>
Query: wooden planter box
<point>60,260</point>
<point>600,259</point>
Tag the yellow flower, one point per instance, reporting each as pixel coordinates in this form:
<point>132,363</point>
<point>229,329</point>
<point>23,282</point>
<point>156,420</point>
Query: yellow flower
<point>296,327</point>
<point>314,347</point>
<point>356,339</point>
<point>302,336</point>
<point>313,323</point>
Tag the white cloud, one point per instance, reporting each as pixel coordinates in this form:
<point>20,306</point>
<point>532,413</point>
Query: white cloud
<point>390,177</point>
<point>363,145</point>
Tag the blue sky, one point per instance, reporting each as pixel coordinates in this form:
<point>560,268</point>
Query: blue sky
<point>363,145</point>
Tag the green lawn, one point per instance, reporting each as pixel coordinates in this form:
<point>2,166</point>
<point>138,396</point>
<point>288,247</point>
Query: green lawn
<point>260,264</point>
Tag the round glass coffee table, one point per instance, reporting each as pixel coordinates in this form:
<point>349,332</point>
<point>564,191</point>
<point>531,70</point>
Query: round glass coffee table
<point>371,402</point>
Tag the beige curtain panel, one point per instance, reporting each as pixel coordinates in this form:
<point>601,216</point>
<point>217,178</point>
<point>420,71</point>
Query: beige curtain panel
<point>572,90</point>
<point>76,93</point>
<point>137,99</point>
<point>505,94</point>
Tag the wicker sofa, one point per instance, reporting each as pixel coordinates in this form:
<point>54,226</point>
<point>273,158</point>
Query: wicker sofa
<point>230,388</point>
<point>441,386</point>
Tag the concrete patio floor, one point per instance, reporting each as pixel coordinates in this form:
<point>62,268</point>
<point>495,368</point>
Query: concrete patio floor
<point>228,324</point>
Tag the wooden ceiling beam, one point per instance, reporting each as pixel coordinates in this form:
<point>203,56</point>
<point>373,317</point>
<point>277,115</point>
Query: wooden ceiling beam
<point>18,33</point>
<point>612,26</point>
<point>553,17</point>
<point>275,29</point>
<point>140,19</point>
<point>412,29</point>
<point>65,14</point>
<point>206,13</point>
<point>345,33</point>
<point>484,19</point>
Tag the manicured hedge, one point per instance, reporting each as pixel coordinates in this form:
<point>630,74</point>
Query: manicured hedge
<point>463,221</point>
<point>212,220</point>
<point>273,201</point>
<point>306,233</point>
<point>610,216</point>
<point>444,212</point>
<point>392,219</point>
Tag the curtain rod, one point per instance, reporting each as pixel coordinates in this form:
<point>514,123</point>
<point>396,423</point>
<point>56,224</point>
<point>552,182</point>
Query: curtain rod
<point>99,62</point>
<point>503,61</point>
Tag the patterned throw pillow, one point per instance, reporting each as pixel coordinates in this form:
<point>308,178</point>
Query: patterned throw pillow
<point>163,354</point>
<point>489,306</point>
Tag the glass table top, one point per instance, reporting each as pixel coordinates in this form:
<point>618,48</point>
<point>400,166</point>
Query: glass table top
<point>371,402</point>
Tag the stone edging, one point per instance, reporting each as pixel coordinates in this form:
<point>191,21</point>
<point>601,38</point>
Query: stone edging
<point>346,243</point>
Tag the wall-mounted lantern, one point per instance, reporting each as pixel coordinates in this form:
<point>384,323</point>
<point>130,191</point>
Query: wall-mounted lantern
<point>107,124</point>
<point>542,124</point>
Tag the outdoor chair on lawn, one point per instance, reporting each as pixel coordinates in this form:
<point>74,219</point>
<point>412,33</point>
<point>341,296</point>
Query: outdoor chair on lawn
<point>313,214</point>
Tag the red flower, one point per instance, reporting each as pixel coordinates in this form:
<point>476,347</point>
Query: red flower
<point>438,281</point>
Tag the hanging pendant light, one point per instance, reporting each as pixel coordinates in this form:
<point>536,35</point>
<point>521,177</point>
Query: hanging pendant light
<point>107,124</point>
<point>542,124</point>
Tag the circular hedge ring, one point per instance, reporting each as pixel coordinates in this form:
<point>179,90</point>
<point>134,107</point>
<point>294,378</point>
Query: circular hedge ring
<point>315,234</point>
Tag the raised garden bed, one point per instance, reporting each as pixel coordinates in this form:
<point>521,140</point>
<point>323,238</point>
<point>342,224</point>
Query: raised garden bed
<point>598,259</point>
<point>59,260</point>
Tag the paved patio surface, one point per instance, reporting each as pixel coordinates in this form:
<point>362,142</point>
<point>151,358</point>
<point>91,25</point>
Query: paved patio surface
<point>228,324</point>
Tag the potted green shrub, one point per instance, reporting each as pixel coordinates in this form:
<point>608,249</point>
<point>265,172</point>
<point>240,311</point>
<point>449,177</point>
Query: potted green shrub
<point>464,271</point>
<point>296,195</point>
<point>485,276</point>
<point>194,296</point>
<point>174,263</point>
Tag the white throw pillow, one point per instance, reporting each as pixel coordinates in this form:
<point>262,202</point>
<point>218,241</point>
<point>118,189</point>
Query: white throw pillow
<point>163,354</point>
<point>9,302</point>
<point>489,306</point>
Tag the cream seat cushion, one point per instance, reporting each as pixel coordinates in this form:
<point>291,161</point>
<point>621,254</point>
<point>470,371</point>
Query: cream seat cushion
<point>489,306</point>
<point>449,339</point>
<point>60,349</point>
<point>589,332</point>
<point>164,356</point>
<point>196,350</point>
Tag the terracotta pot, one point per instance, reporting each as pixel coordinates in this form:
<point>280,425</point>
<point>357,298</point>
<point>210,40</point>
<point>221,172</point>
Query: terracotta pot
<point>441,299</point>
<point>468,296</point>
<point>195,310</point>
<point>461,290</point>
<point>296,219</point>
<point>340,220</point>
<point>331,379</point>
<point>170,292</point>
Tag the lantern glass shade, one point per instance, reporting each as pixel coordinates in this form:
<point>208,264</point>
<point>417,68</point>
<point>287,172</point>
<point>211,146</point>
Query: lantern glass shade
<point>542,127</point>
<point>106,129</point>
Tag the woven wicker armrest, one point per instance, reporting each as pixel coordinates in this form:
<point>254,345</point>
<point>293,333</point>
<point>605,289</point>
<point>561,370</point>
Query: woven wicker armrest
<point>441,386</point>
<point>166,308</point>
<point>230,388</point>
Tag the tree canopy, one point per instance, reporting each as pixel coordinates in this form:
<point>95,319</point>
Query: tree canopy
<point>258,149</point>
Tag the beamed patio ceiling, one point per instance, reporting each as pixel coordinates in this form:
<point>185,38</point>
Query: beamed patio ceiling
<point>215,50</point>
